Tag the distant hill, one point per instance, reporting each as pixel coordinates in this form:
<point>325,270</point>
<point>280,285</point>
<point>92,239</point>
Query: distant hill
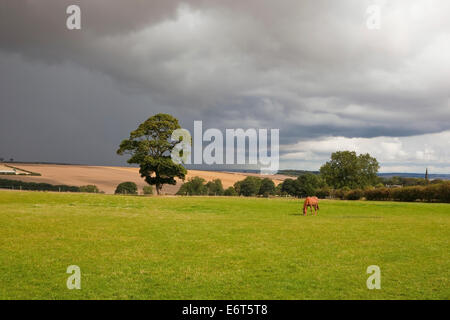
<point>431,176</point>
<point>296,173</point>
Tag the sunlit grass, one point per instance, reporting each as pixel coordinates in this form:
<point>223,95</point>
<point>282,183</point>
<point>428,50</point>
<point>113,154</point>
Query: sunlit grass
<point>219,248</point>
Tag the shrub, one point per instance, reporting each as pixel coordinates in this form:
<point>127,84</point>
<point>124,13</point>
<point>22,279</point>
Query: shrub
<point>126,188</point>
<point>437,192</point>
<point>430,193</point>
<point>214,188</point>
<point>89,189</point>
<point>354,194</point>
<point>407,194</point>
<point>323,193</point>
<point>377,194</point>
<point>340,193</point>
<point>194,187</point>
<point>230,192</point>
<point>444,192</point>
<point>147,190</point>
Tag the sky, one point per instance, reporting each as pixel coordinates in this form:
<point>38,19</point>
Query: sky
<point>313,69</point>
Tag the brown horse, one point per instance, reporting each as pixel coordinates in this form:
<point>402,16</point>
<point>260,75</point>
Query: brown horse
<point>312,202</point>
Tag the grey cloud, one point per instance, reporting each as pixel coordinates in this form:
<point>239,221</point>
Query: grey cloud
<point>310,68</point>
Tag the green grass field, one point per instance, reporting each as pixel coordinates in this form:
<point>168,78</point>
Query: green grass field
<point>219,248</point>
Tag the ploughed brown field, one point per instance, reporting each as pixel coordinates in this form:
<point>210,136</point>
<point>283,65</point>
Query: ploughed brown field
<point>107,178</point>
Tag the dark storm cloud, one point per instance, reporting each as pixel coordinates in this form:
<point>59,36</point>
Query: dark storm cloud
<point>310,68</point>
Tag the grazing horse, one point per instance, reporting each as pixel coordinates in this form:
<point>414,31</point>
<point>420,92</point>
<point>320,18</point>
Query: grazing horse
<point>312,202</point>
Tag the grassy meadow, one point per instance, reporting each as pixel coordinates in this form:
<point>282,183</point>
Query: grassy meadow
<point>131,247</point>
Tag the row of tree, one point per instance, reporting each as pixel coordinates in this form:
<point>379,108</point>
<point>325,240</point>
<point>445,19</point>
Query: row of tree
<point>250,186</point>
<point>197,186</point>
<point>123,188</point>
<point>41,186</point>
<point>151,145</point>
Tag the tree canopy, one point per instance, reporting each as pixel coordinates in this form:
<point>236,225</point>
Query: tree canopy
<point>150,147</point>
<point>267,187</point>
<point>346,169</point>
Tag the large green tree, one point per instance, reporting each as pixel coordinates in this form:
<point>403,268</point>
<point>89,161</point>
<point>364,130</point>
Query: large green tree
<point>347,169</point>
<point>150,147</point>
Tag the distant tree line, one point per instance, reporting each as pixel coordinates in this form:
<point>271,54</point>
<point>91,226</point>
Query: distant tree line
<point>406,181</point>
<point>36,186</point>
<point>250,186</point>
<point>122,188</point>
<point>41,186</point>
